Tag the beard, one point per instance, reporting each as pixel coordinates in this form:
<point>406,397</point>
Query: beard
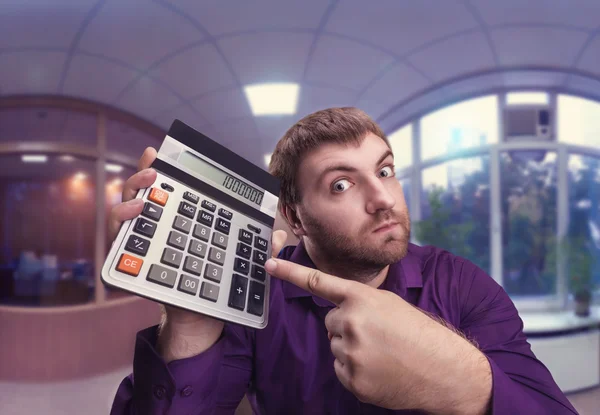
<point>353,254</point>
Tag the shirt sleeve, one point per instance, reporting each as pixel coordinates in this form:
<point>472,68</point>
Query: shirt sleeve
<point>214,381</point>
<point>521,383</point>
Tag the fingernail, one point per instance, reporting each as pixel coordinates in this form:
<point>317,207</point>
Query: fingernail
<point>271,265</point>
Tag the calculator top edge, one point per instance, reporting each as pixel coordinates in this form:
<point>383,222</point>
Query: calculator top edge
<point>222,155</point>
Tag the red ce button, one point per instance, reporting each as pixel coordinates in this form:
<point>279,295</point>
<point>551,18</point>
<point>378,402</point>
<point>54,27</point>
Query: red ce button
<point>130,265</point>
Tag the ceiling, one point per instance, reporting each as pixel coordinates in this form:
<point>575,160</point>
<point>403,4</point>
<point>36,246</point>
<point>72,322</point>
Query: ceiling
<point>190,59</point>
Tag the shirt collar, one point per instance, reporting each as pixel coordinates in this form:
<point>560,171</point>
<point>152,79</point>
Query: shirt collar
<point>403,274</point>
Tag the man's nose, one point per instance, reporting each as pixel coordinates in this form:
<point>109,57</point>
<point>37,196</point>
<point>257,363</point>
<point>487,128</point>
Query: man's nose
<point>379,197</point>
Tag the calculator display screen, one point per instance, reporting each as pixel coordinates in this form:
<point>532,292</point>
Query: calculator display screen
<point>233,184</point>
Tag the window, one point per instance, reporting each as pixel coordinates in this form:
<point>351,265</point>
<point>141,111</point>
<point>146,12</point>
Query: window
<point>584,221</point>
<point>401,142</point>
<point>455,209</point>
<point>406,189</point>
<point>578,121</point>
<point>528,206</point>
<point>48,229</point>
<point>465,125</point>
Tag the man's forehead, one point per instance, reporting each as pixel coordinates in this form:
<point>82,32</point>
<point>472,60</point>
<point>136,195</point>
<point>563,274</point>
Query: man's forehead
<point>360,153</point>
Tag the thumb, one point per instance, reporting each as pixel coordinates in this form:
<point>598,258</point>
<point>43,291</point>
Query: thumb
<point>277,241</point>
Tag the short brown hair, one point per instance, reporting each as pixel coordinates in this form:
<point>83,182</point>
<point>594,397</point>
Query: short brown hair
<point>346,125</point>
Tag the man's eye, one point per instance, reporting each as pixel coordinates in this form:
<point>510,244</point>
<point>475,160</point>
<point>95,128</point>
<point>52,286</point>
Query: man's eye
<point>341,186</point>
<point>387,171</point>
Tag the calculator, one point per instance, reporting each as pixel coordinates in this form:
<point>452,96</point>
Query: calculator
<point>204,234</point>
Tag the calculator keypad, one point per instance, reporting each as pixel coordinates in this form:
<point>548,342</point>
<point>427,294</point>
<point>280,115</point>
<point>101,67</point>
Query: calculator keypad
<point>145,227</point>
<point>187,210</point>
<point>152,211</point>
<point>137,245</point>
<point>171,257</point>
<point>220,240</point>
<point>182,262</point>
<point>198,248</point>
<point>201,232</point>
<point>216,255</point>
<point>237,294</point>
<point>205,218</point>
<point>161,275</point>
<point>177,240</point>
<point>182,224</point>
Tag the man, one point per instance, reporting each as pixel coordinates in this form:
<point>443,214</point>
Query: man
<point>361,321</point>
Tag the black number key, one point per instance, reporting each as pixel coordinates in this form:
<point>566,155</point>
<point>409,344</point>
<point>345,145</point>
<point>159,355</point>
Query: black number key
<point>237,295</point>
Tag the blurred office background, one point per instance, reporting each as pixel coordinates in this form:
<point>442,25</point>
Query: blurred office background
<point>492,109</point>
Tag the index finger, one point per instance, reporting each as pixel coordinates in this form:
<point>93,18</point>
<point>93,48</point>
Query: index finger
<point>147,158</point>
<point>326,286</point>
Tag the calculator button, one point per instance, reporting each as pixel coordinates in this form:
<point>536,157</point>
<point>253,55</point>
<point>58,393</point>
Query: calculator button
<point>226,214</point>
<point>243,250</point>
<point>137,245</point>
<point>256,298</point>
<point>171,257</point>
<point>192,265</point>
<point>152,211</point>
<point>259,257</point>
<point>130,265</point>
<point>237,295</point>
<point>187,210</point>
<point>213,273</point>
<point>223,226</point>
<point>216,255</point>
<point>260,243</point>
<point>167,187</point>
<point>145,227</point>
<point>182,224</point>
<point>158,196</point>
<point>177,240</point>
<point>197,248</point>
<point>245,236</point>
<point>191,197</point>
<point>258,272</point>
<point>201,232</point>
<point>241,266</point>
<point>209,291</point>
<point>205,218</point>
<point>253,228</point>
<point>208,205</point>
<point>188,284</point>
<point>220,240</point>
<point>162,276</point>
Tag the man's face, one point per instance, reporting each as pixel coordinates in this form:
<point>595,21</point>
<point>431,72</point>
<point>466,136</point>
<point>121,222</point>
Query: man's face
<point>353,210</point>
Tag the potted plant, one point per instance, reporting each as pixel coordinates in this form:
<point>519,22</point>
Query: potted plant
<point>580,263</point>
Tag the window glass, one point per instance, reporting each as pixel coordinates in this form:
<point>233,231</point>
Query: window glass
<point>401,142</point>
<point>578,121</point>
<point>455,209</point>
<point>528,206</point>
<point>465,125</point>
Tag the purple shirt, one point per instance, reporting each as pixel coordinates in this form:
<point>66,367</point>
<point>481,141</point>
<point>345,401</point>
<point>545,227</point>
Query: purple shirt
<point>287,368</point>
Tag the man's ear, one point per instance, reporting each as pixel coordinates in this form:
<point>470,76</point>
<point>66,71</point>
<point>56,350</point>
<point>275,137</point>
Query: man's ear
<point>291,217</point>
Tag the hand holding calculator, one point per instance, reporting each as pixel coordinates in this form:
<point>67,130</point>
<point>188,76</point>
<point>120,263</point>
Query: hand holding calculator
<point>204,233</point>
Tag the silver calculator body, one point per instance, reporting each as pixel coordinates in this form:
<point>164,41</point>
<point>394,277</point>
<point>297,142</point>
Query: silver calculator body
<point>204,233</point>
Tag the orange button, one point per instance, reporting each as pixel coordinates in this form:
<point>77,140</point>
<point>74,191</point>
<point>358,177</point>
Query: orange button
<point>130,265</point>
<point>158,196</point>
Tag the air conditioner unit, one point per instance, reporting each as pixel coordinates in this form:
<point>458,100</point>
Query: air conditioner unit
<point>528,122</point>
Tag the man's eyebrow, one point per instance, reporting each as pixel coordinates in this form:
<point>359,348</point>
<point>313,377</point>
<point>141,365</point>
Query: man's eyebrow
<point>350,169</point>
